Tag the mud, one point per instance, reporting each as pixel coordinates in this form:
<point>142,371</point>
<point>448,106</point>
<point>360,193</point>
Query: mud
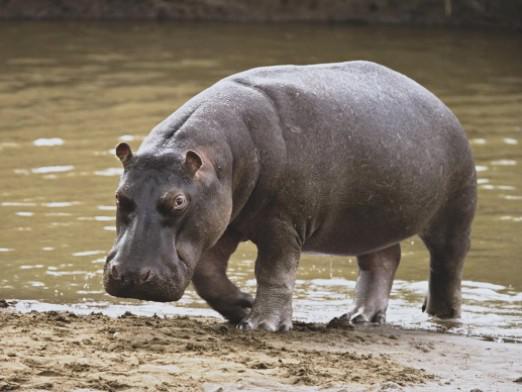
<point>65,352</point>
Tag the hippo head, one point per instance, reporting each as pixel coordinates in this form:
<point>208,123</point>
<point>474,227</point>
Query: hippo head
<point>171,207</point>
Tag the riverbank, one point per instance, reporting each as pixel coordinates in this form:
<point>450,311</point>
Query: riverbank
<point>407,12</point>
<point>65,352</point>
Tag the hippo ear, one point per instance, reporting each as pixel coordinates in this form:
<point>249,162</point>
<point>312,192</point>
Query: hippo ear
<point>124,152</point>
<point>193,162</point>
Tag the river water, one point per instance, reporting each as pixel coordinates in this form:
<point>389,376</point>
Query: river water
<point>69,92</point>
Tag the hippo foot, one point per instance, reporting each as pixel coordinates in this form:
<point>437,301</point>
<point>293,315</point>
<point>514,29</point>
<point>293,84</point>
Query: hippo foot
<point>271,323</point>
<point>235,309</point>
<point>449,309</point>
<point>358,316</point>
<point>267,325</point>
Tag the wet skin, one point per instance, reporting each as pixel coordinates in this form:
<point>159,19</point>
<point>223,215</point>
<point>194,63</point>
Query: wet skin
<point>348,159</point>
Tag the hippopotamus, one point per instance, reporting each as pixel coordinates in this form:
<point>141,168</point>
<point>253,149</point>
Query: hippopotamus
<point>346,158</point>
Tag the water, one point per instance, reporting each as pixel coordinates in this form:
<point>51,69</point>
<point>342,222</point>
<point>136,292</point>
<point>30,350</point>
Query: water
<point>70,91</point>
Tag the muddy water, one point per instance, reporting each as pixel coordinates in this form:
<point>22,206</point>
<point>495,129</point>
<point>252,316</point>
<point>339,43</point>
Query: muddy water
<point>70,92</point>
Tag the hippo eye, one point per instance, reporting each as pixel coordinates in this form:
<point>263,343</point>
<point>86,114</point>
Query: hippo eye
<point>180,202</point>
<point>124,203</point>
<point>170,203</point>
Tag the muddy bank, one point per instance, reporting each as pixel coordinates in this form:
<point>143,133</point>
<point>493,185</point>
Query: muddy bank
<point>64,352</point>
<point>438,12</point>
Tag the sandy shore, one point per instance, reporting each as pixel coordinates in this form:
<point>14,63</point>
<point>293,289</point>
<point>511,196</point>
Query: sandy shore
<point>64,352</point>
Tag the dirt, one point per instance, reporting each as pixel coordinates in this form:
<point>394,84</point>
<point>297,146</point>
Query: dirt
<point>65,352</point>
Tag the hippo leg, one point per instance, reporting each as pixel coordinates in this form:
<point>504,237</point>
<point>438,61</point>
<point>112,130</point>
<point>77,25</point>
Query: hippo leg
<point>374,283</point>
<point>276,265</point>
<point>448,239</point>
<point>213,285</point>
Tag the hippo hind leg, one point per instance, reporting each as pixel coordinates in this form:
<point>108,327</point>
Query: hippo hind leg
<point>447,238</point>
<point>213,285</point>
<point>376,273</point>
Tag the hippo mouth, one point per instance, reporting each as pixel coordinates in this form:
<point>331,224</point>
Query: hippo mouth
<point>160,281</point>
<point>157,290</point>
<point>165,286</point>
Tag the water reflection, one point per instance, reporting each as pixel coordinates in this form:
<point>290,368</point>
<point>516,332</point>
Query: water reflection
<point>68,95</point>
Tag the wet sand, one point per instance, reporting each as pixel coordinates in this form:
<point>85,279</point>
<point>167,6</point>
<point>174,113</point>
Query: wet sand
<point>65,352</point>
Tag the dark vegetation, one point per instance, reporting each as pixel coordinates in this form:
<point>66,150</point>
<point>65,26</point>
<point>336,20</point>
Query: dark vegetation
<point>505,13</point>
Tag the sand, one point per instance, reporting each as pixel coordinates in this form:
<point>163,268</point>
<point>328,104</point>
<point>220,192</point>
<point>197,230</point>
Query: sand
<point>65,352</point>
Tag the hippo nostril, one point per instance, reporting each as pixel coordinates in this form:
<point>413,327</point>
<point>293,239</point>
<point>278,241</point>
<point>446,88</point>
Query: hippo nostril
<point>146,275</point>
<point>115,274</point>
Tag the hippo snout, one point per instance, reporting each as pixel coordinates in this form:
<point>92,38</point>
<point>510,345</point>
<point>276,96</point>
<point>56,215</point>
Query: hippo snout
<point>150,283</point>
<point>140,277</point>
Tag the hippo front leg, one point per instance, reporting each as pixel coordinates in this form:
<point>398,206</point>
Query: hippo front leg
<point>212,284</point>
<point>276,265</point>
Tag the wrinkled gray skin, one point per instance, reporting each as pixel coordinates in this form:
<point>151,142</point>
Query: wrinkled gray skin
<point>347,159</point>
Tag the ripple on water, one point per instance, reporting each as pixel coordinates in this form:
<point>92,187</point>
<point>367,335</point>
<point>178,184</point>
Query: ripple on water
<point>36,283</point>
<point>491,187</point>
<point>509,140</point>
<point>52,169</point>
<point>60,204</point>
<point>334,282</point>
<point>48,142</point>
<point>104,218</point>
<point>115,310</point>
<point>109,172</point>
<point>126,138</point>
<point>478,141</point>
<point>57,214</point>
<point>88,253</point>
<point>24,213</point>
<point>106,208</point>
<point>504,162</point>
<point>64,273</point>
<point>17,204</point>
<point>511,218</point>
